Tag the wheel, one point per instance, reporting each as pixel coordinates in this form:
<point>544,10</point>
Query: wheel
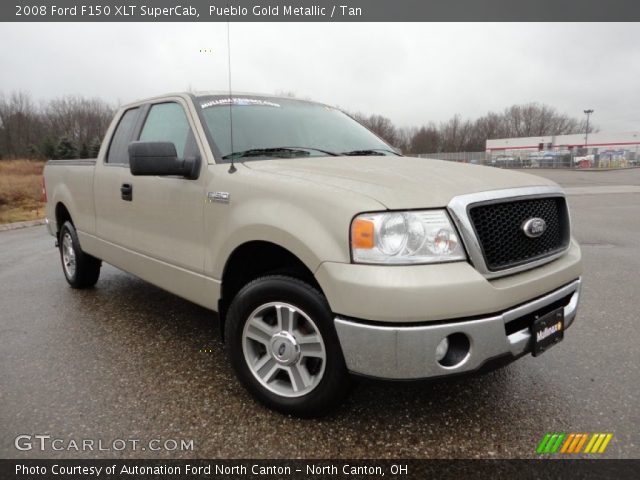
<point>284,348</point>
<point>80,269</point>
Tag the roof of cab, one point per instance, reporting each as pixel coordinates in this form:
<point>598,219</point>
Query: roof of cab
<point>192,95</point>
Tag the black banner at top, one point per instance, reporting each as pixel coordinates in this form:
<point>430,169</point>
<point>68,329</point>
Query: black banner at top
<point>319,10</point>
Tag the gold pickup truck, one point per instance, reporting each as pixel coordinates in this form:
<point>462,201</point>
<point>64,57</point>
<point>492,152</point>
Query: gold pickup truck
<point>325,252</point>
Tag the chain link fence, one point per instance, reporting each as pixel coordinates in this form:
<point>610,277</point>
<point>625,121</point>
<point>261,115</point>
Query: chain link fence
<point>463,157</point>
<point>578,159</point>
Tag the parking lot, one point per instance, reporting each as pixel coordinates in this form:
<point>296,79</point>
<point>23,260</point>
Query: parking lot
<point>128,361</point>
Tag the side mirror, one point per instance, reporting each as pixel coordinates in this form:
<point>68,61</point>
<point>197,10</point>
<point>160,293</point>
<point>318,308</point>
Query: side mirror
<point>160,158</point>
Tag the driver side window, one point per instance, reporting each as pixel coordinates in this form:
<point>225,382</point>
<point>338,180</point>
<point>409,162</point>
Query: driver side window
<point>167,122</point>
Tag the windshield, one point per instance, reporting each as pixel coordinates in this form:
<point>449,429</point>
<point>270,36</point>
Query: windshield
<point>275,127</point>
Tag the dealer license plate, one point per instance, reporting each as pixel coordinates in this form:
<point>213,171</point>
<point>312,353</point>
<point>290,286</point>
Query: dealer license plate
<point>547,331</point>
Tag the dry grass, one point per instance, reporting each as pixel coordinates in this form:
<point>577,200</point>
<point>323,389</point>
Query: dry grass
<point>20,190</point>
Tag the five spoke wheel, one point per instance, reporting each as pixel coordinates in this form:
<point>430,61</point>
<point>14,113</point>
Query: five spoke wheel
<point>284,349</point>
<point>68,255</point>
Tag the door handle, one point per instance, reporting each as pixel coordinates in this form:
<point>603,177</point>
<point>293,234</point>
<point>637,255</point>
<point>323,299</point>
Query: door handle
<point>126,191</point>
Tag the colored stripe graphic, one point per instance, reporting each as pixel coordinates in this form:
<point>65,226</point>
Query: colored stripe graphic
<point>567,442</point>
<point>605,443</point>
<point>551,443</point>
<point>573,443</point>
<point>556,446</point>
<point>594,437</point>
<point>600,442</point>
<point>582,440</point>
<point>543,443</point>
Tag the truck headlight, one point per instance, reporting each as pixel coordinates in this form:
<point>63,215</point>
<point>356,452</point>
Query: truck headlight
<point>423,236</point>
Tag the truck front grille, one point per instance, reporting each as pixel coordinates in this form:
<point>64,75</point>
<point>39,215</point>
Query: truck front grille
<point>498,227</point>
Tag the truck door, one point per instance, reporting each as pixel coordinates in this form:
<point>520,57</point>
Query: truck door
<point>111,210</point>
<point>166,212</point>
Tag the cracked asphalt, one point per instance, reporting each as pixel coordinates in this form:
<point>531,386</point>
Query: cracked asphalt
<point>127,360</point>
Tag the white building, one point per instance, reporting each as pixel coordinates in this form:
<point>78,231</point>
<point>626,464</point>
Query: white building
<point>603,149</point>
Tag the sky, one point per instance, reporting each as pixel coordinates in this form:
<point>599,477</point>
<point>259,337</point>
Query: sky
<point>412,73</point>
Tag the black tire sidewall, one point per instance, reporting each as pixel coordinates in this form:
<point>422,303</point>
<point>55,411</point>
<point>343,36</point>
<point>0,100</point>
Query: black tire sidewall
<point>87,269</point>
<point>335,380</point>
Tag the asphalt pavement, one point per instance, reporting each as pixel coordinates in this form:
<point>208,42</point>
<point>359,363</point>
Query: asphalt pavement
<point>129,361</point>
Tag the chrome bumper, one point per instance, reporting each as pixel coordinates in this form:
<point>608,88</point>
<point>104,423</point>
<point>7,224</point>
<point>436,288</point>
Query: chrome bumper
<point>406,352</point>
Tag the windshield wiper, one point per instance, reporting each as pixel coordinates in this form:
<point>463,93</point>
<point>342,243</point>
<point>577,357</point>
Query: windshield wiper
<point>266,152</point>
<point>333,154</point>
<point>373,151</point>
<point>276,152</point>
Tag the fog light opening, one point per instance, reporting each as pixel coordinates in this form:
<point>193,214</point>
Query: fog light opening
<point>454,350</point>
<point>442,349</point>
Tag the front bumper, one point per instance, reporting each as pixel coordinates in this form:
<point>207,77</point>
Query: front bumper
<point>408,352</point>
<point>433,292</point>
<point>50,227</point>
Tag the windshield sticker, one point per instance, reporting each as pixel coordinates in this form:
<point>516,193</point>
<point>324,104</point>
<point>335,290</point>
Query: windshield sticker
<point>239,101</point>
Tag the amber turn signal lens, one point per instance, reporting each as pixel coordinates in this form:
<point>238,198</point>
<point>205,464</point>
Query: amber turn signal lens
<point>362,234</point>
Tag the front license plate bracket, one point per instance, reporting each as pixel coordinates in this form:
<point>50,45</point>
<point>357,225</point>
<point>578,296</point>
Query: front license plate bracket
<point>547,330</point>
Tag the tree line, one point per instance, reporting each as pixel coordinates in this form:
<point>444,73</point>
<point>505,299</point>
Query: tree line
<point>73,127</point>
<point>62,128</point>
<point>465,135</point>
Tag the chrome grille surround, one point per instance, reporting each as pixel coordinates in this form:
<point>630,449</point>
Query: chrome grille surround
<point>459,210</point>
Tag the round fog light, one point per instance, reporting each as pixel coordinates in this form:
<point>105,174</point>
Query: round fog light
<point>456,351</point>
<point>442,348</point>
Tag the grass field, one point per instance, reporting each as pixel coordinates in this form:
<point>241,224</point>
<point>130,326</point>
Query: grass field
<point>20,190</point>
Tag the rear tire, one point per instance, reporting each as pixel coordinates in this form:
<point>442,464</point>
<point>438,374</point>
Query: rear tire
<point>284,348</point>
<point>80,269</point>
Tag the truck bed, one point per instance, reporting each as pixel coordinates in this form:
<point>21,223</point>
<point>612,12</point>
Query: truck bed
<point>71,182</point>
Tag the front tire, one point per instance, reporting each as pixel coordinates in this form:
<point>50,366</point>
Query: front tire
<point>284,348</point>
<point>80,269</point>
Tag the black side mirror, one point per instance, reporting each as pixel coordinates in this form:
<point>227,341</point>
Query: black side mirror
<point>160,158</point>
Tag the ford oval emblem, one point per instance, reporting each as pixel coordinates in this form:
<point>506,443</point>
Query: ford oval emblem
<point>534,227</point>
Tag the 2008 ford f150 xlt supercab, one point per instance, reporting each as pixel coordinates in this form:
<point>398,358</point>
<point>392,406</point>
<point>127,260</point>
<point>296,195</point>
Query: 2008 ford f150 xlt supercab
<point>324,251</point>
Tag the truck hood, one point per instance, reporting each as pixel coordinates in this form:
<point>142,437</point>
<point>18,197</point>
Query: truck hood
<point>399,182</point>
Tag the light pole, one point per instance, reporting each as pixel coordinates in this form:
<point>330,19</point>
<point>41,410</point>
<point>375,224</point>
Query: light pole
<point>586,133</point>
<point>588,113</point>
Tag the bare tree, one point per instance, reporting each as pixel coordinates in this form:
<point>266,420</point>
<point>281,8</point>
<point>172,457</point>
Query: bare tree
<point>404,138</point>
<point>489,126</point>
<point>426,140</point>
<point>79,119</point>
<point>455,134</point>
<point>30,130</point>
<point>381,126</point>
<point>20,125</point>
<point>528,120</point>
<point>286,93</point>
<point>533,120</point>
<point>34,130</point>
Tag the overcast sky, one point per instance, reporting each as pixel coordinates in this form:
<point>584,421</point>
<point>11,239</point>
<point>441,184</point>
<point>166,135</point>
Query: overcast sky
<point>411,73</point>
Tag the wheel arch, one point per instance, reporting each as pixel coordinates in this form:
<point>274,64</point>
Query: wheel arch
<point>62,215</point>
<point>256,258</point>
